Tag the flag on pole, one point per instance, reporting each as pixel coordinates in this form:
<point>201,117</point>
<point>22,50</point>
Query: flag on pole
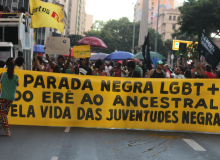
<point>45,14</point>
<point>146,54</point>
<point>144,22</point>
<point>208,49</point>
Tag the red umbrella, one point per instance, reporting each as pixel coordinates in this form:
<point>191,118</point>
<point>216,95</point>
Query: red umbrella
<point>93,42</point>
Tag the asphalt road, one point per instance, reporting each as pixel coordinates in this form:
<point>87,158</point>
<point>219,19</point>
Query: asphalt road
<point>59,143</point>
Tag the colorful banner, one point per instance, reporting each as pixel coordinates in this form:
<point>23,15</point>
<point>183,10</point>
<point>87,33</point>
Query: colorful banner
<point>83,51</point>
<point>45,14</point>
<point>54,99</point>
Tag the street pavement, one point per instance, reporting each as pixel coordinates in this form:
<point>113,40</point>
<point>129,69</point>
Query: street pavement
<point>63,143</point>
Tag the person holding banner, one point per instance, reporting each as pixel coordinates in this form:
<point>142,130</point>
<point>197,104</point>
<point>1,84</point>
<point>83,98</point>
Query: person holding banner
<point>157,73</point>
<point>99,67</point>
<point>200,71</point>
<point>133,73</point>
<point>37,64</point>
<point>60,67</point>
<point>117,70</point>
<point>9,85</point>
<point>83,68</point>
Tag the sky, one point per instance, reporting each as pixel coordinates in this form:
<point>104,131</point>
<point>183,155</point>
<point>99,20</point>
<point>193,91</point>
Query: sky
<point>111,9</point>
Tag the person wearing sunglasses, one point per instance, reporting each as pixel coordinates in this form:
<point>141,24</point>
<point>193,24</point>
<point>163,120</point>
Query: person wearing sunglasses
<point>83,68</point>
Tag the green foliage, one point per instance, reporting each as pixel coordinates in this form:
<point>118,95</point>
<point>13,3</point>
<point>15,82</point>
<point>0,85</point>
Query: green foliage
<point>160,45</point>
<point>118,35</point>
<point>196,13</point>
<point>74,39</point>
<point>98,25</point>
<point>191,49</point>
<point>180,36</point>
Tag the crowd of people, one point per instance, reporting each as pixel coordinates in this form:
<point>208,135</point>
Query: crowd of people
<point>82,66</point>
<point>6,9</point>
<point>125,68</point>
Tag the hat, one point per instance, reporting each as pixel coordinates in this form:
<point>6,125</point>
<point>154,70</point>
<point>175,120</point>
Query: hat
<point>159,62</point>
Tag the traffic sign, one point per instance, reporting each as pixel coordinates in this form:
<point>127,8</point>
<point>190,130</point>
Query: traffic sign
<point>176,43</point>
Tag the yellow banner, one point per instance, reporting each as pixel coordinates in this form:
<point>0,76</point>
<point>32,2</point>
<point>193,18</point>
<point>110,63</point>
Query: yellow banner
<point>54,99</point>
<point>83,51</point>
<point>45,14</point>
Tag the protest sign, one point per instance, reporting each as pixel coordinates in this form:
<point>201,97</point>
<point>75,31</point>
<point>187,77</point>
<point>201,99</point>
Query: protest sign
<point>57,45</point>
<point>83,51</point>
<point>52,99</point>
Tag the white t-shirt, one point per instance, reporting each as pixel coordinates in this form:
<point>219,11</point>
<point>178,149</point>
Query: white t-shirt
<point>167,75</point>
<point>180,76</point>
<point>108,69</point>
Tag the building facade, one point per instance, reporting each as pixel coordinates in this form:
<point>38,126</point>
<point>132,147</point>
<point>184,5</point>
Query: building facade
<point>76,17</point>
<point>153,10</point>
<point>89,22</point>
<point>167,22</point>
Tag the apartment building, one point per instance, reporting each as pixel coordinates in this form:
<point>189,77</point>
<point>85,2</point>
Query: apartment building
<point>76,17</point>
<point>89,22</point>
<point>167,22</point>
<point>153,10</point>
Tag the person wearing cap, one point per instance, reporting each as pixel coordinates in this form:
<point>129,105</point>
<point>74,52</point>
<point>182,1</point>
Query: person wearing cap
<point>199,71</point>
<point>158,72</point>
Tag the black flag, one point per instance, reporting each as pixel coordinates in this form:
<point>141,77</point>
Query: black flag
<point>146,54</point>
<point>208,49</point>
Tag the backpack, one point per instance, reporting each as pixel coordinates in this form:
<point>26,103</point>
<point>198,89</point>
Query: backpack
<point>153,70</point>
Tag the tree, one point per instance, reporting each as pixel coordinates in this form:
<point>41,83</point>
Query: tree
<point>160,45</point>
<point>98,25</point>
<point>196,13</point>
<point>74,39</point>
<point>118,35</point>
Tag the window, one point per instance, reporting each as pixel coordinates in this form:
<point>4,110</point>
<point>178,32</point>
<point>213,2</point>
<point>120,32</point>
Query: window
<point>170,17</point>
<point>152,8</point>
<point>174,18</point>
<point>174,26</point>
<point>152,13</point>
<point>178,18</point>
<point>151,18</point>
<point>152,3</point>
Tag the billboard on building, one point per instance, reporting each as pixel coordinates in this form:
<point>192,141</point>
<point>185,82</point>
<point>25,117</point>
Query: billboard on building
<point>153,10</point>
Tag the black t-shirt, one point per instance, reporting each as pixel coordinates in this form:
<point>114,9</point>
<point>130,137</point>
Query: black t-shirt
<point>135,74</point>
<point>157,75</point>
<point>58,69</point>
<point>80,70</point>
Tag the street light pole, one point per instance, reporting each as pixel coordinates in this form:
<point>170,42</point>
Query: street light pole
<point>133,30</point>
<point>157,26</point>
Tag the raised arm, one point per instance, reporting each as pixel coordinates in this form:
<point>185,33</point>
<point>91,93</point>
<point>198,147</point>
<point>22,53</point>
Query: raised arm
<point>68,60</point>
<point>72,67</point>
